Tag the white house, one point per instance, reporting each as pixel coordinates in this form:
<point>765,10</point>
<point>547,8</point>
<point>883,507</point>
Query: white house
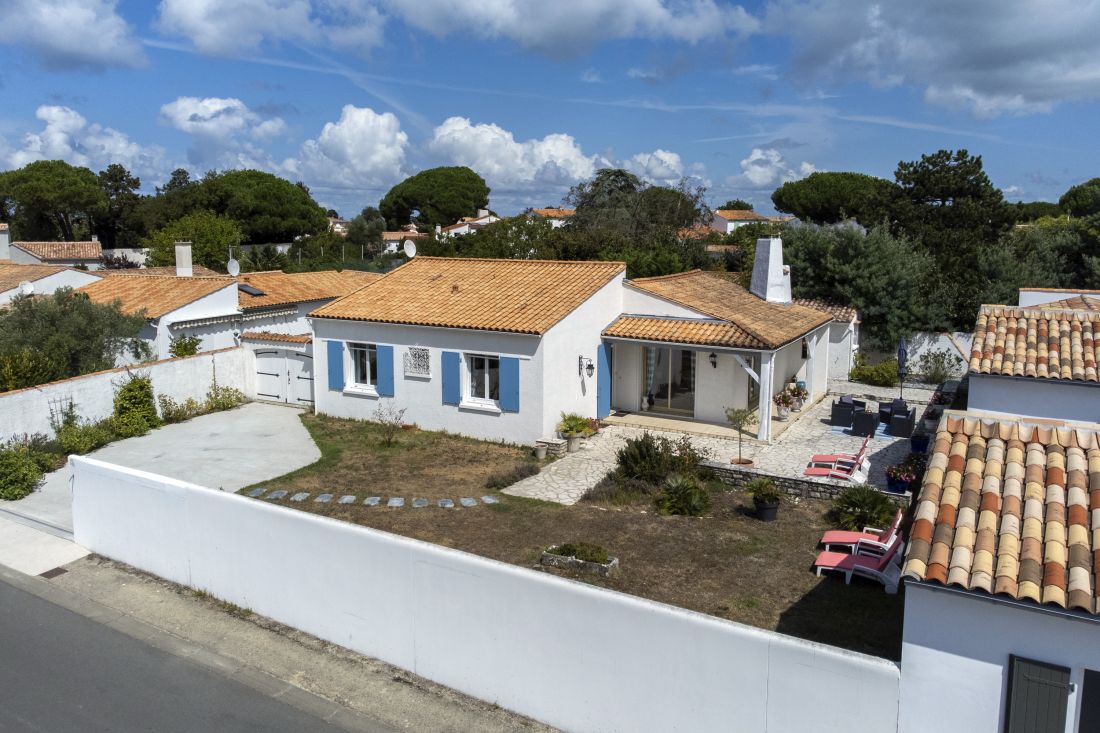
<point>393,242</point>
<point>1059,298</point>
<point>843,335</point>
<point>726,220</point>
<point>1039,361</point>
<point>557,216</point>
<point>68,254</point>
<point>1002,631</point>
<point>468,224</point>
<point>43,279</point>
<point>500,348</point>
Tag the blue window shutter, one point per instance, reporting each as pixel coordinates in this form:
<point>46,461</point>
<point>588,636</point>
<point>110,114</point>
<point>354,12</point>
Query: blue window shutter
<point>384,363</point>
<point>603,382</point>
<point>336,365</point>
<point>509,384</point>
<point>452,377</point>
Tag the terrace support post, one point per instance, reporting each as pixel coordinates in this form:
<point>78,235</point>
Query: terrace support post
<point>764,430</point>
<point>810,369</point>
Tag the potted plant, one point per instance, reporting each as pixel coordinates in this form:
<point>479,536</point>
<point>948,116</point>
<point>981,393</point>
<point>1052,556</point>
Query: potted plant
<point>899,477</point>
<point>765,497</point>
<point>918,442</point>
<point>739,417</point>
<point>783,402</point>
<point>799,394</point>
<point>572,427</point>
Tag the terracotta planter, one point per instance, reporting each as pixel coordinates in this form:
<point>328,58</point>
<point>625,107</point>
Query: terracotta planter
<point>741,461</point>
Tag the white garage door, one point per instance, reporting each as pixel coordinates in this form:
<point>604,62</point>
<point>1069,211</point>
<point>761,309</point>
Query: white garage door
<point>283,375</point>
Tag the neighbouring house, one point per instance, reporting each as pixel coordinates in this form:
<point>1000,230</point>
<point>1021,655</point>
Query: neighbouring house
<point>499,349</point>
<point>468,224</point>
<point>393,242</point>
<point>169,270</point>
<point>67,254</point>
<point>1038,361</point>
<point>42,279</point>
<point>556,216</point>
<point>1059,298</point>
<point>337,225</point>
<point>1002,611</point>
<point>726,220</point>
<point>843,334</point>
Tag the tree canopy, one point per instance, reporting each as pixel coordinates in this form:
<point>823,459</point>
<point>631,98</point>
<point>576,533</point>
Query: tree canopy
<point>365,230</point>
<point>1082,199</point>
<point>437,197</point>
<point>118,225</point>
<point>736,205</point>
<point>829,198</point>
<point>52,200</point>
<point>210,234</point>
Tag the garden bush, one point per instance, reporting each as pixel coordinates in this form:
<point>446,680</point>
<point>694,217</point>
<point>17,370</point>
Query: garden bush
<point>683,495</point>
<point>861,506</point>
<point>500,481</point>
<point>84,437</point>
<point>572,424</point>
<point>222,398</point>
<point>618,489</point>
<point>939,366</point>
<point>883,374</point>
<point>585,551</point>
<point>135,408</point>
<point>764,490</point>
<point>19,473</point>
<point>44,451</point>
<point>172,411</point>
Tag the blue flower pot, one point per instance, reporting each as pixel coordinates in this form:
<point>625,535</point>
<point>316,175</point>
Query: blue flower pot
<point>896,486</point>
<point>919,443</point>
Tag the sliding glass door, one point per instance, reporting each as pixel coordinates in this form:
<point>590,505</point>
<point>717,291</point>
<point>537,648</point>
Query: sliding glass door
<point>668,381</point>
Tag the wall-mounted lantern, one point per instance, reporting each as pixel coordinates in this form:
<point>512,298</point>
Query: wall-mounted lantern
<point>585,366</point>
<point>714,360</point>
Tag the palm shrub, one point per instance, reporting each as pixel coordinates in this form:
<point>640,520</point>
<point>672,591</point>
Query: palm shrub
<point>861,506</point>
<point>574,425</point>
<point>763,490</point>
<point>683,495</point>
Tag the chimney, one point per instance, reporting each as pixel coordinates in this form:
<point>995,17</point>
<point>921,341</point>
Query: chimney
<point>5,242</point>
<point>438,230</point>
<point>183,260</point>
<point>771,279</point>
<point>95,237</point>
<point>482,213</point>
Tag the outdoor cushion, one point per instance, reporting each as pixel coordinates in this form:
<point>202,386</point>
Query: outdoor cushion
<point>864,423</point>
<point>842,414</point>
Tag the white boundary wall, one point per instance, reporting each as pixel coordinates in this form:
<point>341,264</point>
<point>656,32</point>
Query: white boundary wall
<point>575,656</point>
<point>28,410</point>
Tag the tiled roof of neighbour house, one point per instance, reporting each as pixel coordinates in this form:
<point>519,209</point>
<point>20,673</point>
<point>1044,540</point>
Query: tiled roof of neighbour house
<point>518,296</point>
<point>1046,343</point>
<point>156,295</point>
<point>1077,303</point>
<point>718,296</point>
<point>742,215</point>
<point>166,271</point>
<point>283,338</point>
<point>838,311</point>
<point>12,274</point>
<point>552,213</point>
<point>682,331</point>
<point>393,236</point>
<point>282,288</point>
<point>1007,507</point>
<point>47,251</point>
<point>697,232</point>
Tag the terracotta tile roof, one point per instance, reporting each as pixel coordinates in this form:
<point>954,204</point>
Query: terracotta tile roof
<point>742,215</point>
<point>283,338</point>
<point>1077,303</point>
<point>1036,342</point>
<point>155,295</point>
<point>551,213</point>
<point>12,274</point>
<point>682,331</point>
<point>839,312</point>
<point>61,250</point>
<point>282,288</point>
<point>519,296</point>
<point>3,226</point>
<point>395,236</point>
<point>697,232</point>
<point>717,295</point>
<point>1009,508</point>
<point>167,271</point>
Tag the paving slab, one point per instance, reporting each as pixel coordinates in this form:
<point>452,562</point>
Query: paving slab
<point>420,503</point>
<point>446,503</point>
<point>323,499</point>
<point>395,501</point>
<point>257,493</point>
<point>372,501</point>
<point>349,499</point>
<point>489,500</point>
<point>300,496</point>
<point>277,494</point>
<point>32,552</point>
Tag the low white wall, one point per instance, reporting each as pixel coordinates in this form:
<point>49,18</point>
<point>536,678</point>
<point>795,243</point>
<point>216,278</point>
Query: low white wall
<point>575,656</point>
<point>957,344</point>
<point>1049,398</point>
<point>28,410</point>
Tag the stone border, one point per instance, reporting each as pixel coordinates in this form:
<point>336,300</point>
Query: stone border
<point>807,488</point>
<point>572,563</point>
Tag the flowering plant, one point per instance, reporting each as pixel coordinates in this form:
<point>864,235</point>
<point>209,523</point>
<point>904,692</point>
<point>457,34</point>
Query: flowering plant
<point>902,473</point>
<point>783,399</point>
<point>798,393</point>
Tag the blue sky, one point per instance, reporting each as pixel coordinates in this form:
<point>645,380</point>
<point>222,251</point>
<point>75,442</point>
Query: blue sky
<point>351,96</point>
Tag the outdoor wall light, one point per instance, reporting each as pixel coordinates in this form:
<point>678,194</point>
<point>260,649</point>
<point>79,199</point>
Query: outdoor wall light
<point>714,360</point>
<point>805,349</point>
<point>585,366</point>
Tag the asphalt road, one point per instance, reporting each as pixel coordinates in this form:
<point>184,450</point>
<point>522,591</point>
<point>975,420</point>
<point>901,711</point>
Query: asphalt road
<point>63,672</point>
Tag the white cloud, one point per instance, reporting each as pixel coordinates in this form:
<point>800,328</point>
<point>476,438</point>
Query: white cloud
<point>591,76</point>
<point>71,33</point>
<point>68,136</point>
<point>644,74</point>
<point>766,168</point>
<point>764,71</point>
<point>219,118</point>
<point>985,56</point>
<point>661,167</point>
<point>493,152</point>
<point>361,149</point>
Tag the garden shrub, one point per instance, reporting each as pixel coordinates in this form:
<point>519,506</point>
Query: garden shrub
<point>646,458</point>
<point>19,473</point>
<point>499,481</point>
<point>939,366</point>
<point>44,451</point>
<point>130,425</point>
<point>618,489</point>
<point>683,495</point>
<point>135,408</point>
<point>585,551</point>
<point>861,506</point>
<point>82,437</point>
<point>184,345</point>
<point>572,424</point>
<point>883,374</point>
<point>172,411</point>
<point>222,398</point>
<point>764,490</point>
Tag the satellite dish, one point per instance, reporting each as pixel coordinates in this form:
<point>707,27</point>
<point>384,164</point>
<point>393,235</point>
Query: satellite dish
<point>233,267</point>
<point>410,248</point>
<point>26,287</point>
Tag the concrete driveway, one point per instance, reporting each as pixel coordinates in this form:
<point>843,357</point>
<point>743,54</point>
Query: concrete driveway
<point>226,450</point>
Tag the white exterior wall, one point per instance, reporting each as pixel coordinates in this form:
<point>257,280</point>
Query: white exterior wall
<point>957,344</point>
<point>843,342</point>
<point>294,324</point>
<point>637,303</point>
<point>717,388</point>
<point>579,657</point>
<point>819,381</point>
<point>21,257</point>
<point>215,336</point>
<point>1031,397</point>
<point>422,398</point>
<point>788,362</point>
<point>28,410</point>
<point>954,658</point>
<point>50,283</point>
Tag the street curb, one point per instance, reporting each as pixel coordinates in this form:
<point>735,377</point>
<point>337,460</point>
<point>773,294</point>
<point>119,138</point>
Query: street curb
<point>190,652</point>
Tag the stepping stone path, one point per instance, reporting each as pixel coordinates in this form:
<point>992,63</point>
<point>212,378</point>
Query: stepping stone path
<point>419,503</point>
<point>395,501</point>
<point>276,494</point>
<point>349,499</point>
<point>300,496</point>
<point>490,500</point>
<point>467,501</point>
<point>257,493</point>
<point>372,501</point>
<point>323,499</point>
<point>446,503</point>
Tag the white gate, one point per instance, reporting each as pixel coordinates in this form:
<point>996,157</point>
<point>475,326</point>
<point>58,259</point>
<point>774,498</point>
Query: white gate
<point>283,375</point>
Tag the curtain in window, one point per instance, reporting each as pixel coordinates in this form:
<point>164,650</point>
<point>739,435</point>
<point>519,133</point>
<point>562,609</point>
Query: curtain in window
<point>650,371</point>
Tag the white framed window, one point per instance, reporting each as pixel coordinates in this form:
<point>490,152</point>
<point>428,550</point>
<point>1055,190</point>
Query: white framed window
<point>484,378</point>
<point>418,362</point>
<point>364,365</point>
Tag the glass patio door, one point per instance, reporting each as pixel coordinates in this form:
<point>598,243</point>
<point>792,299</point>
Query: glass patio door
<point>669,380</point>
